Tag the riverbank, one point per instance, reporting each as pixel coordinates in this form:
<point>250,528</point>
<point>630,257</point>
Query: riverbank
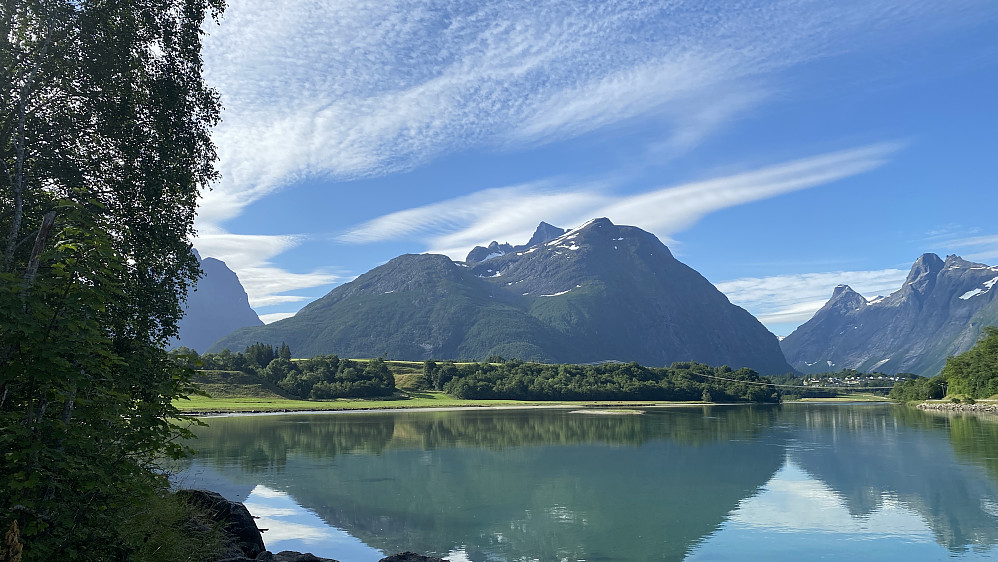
<point>981,406</point>
<point>842,399</point>
<point>202,406</point>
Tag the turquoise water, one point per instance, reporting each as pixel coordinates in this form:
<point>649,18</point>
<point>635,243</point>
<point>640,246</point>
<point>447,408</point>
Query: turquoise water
<point>792,482</point>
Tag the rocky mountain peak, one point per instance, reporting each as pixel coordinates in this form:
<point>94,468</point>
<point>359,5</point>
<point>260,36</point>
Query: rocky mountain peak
<point>493,250</point>
<point>938,312</point>
<point>954,261</point>
<point>923,272</point>
<point>545,233</point>
<point>845,299</point>
<point>216,306</point>
<point>843,292</point>
<point>601,222</point>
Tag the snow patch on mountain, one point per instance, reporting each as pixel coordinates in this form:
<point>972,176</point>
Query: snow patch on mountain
<point>978,291</point>
<point>557,294</point>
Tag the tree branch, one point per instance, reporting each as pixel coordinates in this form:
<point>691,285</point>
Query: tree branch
<point>36,251</point>
<point>18,180</point>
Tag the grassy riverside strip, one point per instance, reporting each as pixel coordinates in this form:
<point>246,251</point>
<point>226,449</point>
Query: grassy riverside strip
<point>248,392</point>
<point>858,397</point>
<point>200,405</point>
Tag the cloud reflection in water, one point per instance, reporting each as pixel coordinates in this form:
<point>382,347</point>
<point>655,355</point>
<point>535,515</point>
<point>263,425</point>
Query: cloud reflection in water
<point>797,517</point>
<point>292,527</point>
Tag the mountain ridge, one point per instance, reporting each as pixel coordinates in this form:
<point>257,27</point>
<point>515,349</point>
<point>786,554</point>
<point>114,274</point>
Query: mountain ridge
<point>939,311</point>
<point>595,293</point>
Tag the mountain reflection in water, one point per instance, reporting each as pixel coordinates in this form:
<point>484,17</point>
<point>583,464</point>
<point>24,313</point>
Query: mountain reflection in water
<point>704,483</point>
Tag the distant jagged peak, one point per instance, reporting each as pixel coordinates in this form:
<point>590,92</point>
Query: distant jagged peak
<point>846,292</point>
<point>954,261</point>
<point>926,265</point>
<point>596,223</point>
<point>494,250</point>
<point>548,235</point>
<point>588,226</point>
<point>845,299</point>
<point>544,233</point>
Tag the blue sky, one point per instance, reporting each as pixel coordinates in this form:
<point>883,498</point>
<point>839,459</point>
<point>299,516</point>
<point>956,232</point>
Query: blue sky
<point>780,148</point>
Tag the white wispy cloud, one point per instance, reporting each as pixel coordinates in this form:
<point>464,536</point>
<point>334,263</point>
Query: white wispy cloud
<point>458,212</point>
<point>453,226</point>
<point>249,256</point>
<point>793,299</point>
<point>358,88</point>
<point>981,248</point>
<point>275,316</point>
<point>341,90</point>
<point>673,209</point>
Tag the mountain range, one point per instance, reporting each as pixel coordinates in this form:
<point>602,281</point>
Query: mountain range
<point>939,311</point>
<point>601,292</point>
<point>215,307</point>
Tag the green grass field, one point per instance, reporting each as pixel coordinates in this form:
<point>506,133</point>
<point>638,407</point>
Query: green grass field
<point>236,392</point>
<point>424,399</point>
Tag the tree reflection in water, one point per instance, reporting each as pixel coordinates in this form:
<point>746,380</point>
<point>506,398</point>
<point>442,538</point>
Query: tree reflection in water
<point>553,484</point>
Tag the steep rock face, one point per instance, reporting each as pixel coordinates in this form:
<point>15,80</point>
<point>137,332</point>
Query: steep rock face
<point>217,306</point>
<point>939,311</point>
<point>544,233</point>
<point>597,293</point>
<point>494,250</point>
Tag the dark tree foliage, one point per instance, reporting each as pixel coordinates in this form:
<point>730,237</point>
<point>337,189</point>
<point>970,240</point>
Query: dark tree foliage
<point>319,378</point>
<point>104,143</point>
<point>974,373</point>
<point>608,381</point>
<point>917,389</point>
<point>260,354</point>
<point>437,375</point>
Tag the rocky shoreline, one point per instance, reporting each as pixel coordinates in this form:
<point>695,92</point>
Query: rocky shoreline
<point>977,407</point>
<point>245,540</point>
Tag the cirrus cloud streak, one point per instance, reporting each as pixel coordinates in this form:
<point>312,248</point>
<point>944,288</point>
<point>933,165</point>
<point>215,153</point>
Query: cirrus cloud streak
<point>362,88</point>
<point>453,226</point>
<point>786,299</point>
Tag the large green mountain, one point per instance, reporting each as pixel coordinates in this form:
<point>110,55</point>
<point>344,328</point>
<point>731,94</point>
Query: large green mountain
<point>600,292</point>
<point>939,311</point>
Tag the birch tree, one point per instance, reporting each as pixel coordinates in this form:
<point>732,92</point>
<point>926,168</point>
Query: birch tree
<point>105,147</point>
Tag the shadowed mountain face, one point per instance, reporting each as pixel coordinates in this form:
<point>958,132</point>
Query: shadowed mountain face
<point>597,293</point>
<point>216,307</point>
<point>939,311</point>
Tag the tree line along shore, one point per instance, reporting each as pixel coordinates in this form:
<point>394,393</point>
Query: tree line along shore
<point>268,374</point>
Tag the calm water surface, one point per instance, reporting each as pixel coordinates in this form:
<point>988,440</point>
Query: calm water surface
<point>792,482</point>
